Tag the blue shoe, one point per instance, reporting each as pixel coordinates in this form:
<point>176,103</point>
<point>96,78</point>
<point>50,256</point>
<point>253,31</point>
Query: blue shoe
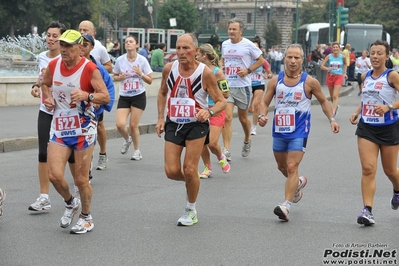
<point>366,217</point>
<point>395,201</point>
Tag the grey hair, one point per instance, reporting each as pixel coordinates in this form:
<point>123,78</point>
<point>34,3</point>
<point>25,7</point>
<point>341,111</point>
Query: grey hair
<point>237,20</point>
<point>295,45</point>
<point>193,39</point>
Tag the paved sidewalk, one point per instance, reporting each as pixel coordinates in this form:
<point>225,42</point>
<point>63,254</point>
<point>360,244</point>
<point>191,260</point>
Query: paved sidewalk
<point>19,123</point>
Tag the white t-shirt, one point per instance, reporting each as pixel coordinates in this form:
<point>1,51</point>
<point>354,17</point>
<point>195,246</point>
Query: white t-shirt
<point>239,56</point>
<point>100,53</point>
<point>133,84</point>
<point>43,60</point>
<point>362,64</point>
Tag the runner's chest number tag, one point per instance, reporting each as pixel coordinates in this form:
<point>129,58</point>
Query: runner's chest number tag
<point>67,123</point>
<point>182,110</point>
<point>232,71</point>
<point>131,85</point>
<point>370,116</point>
<point>284,120</point>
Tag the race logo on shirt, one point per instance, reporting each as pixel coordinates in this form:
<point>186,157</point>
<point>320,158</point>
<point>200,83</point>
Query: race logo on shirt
<point>378,85</point>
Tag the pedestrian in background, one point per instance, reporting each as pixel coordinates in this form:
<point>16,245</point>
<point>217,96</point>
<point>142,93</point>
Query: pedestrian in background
<point>132,70</point>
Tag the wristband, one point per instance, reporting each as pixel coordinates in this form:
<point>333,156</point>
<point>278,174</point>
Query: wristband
<point>142,75</point>
<point>260,116</point>
<point>36,85</point>
<point>332,119</point>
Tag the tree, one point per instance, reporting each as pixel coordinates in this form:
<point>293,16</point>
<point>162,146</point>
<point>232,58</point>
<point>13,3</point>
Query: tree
<point>187,17</point>
<point>272,34</point>
<point>114,9</point>
<point>314,11</point>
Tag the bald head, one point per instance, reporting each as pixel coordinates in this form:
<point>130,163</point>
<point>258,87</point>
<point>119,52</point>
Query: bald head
<point>86,26</point>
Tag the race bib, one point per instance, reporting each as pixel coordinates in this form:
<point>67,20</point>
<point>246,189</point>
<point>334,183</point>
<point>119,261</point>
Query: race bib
<point>182,110</point>
<point>284,120</point>
<point>67,123</point>
<point>370,116</point>
<point>231,72</point>
<point>131,85</point>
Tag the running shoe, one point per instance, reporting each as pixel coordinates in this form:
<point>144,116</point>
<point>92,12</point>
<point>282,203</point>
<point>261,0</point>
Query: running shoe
<point>224,164</point>
<point>246,149</point>
<point>188,218</point>
<point>126,145</point>
<point>298,194</point>
<point>282,212</point>
<point>206,173</point>
<point>41,204</point>
<point>136,156</point>
<point>253,130</point>
<point>360,93</point>
<point>395,201</point>
<point>227,153</point>
<point>102,162</point>
<point>336,111</point>
<point>84,225</point>
<point>70,212</point>
<point>366,217</point>
<point>2,198</point>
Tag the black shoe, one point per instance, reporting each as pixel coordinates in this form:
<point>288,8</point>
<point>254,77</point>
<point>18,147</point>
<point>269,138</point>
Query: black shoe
<point>90,176</point>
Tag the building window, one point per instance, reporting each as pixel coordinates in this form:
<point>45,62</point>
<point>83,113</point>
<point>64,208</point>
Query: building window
<point>249,17</point>
<point>217,17</point>
<point>232,15</point>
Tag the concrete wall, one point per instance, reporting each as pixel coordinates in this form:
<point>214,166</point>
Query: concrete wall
<point>16,90</point>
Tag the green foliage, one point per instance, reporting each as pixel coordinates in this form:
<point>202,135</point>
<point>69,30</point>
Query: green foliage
<point>187,16</point>
<point>385,12</point>
<point>314,11</point>
<point>272,34</point>
<point>113,10</point>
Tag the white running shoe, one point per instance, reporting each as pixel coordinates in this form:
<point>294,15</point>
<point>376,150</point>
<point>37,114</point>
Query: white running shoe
<point>136,156</point>
<point>282,212</point>
<point>253,130</point>
<point>41,204</point>
<point>298,194</point>
<point>246,149</point>
<point>69,213</point>
<point>2,198</point>
<point>84,225</point>
<point>188,218</point>
<point>126,145</point>
<point>102,162</point>
<point>227,153</point>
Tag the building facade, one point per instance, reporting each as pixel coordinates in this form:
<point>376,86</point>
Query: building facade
<point>255,14</point>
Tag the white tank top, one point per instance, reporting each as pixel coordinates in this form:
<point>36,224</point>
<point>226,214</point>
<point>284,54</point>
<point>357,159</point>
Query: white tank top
<point>377,91</point>
<point>71,119</point>
<point>191,87</point>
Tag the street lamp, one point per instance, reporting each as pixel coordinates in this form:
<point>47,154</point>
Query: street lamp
<point>256,11</point>
<point>296,22</point>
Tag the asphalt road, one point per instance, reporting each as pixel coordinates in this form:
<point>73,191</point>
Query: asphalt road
<point>135,208</point>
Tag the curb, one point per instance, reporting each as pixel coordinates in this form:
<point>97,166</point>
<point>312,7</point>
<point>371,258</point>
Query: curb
<point>19,144</point>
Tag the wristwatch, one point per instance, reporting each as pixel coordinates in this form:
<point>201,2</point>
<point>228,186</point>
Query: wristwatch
<point>211,112</point>
<point>249,71</point>
<point>390,106</point>
<point>35,85</point>
<point>90,97</point>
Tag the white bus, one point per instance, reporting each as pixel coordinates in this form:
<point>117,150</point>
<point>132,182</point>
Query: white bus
<point>308,36</point>
<point>361,36</point>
